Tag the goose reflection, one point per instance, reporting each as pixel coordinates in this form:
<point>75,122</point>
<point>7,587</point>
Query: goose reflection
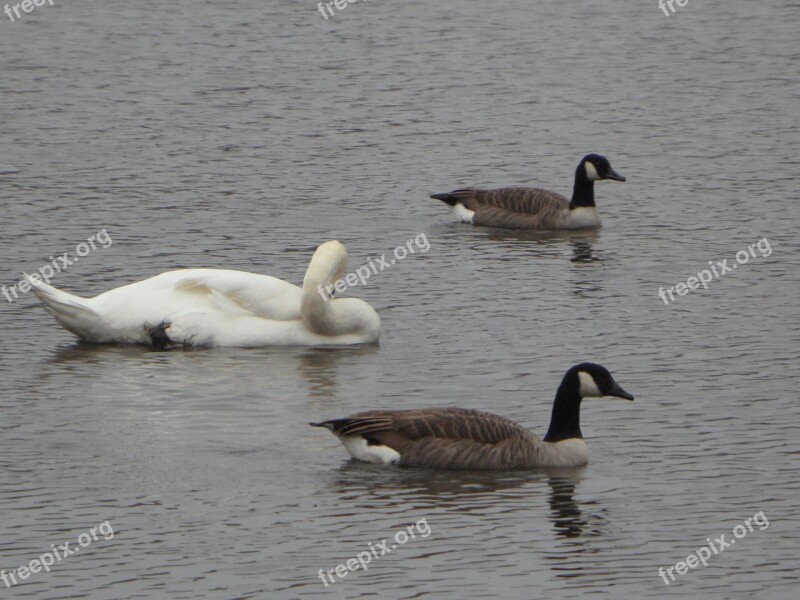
<point>582,251</point>
<point>581,241</point>
<point>566,514</point>
<point>367,486</point>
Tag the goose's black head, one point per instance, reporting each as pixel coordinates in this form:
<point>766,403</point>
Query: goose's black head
<point>595,167</point>
<point>592,167</point>
<point>594,380</point>
<point>584,380</point>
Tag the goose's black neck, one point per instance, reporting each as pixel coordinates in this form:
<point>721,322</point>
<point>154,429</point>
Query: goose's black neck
<point>565,423</point>
<point>583,192</point>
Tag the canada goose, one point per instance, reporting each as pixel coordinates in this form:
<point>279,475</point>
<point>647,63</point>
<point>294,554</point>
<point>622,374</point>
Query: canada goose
<point>215,307</point>
<point>458,438</point>
<point>534,208</point>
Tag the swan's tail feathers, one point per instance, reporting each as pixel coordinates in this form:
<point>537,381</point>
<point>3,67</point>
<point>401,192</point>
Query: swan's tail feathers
<point>71,312</point>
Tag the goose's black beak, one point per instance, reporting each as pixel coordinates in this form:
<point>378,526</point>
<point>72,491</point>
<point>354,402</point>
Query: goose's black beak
<point>617,391</point>
<point>612,174</point>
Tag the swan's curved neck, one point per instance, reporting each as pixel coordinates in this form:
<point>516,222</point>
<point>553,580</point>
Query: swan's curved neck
<point>583,191</point>
<point>328,316</point>
<point>316,306</point>
<point>565,422</point>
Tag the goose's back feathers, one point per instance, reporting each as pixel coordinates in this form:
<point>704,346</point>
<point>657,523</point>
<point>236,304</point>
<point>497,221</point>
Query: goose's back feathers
<point>519,200</point>
<point>444,438</point>
<point>512,207</point>
<point>445,423</point>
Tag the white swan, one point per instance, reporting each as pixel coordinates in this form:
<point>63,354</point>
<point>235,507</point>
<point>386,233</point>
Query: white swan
<point>215,307</point>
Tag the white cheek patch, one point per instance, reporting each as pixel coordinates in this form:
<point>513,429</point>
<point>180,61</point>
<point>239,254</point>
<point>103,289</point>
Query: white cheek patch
<point>591,172</point>
<point>589,388</point>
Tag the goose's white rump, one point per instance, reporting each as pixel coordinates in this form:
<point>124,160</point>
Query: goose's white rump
<point>215,307</point>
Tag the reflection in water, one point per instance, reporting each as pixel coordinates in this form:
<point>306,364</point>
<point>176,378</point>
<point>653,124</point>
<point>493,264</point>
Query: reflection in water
<point>318,366</point>
<point>567,517</point>
<point>582,251</point>
<point>582,241</point>
<point>551,242</point>
<point>544,238</point>
<point>93,354</point>
<point>464,491</point>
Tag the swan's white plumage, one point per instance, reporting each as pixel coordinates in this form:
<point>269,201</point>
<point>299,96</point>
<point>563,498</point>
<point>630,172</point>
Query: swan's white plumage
<point>216,307</point>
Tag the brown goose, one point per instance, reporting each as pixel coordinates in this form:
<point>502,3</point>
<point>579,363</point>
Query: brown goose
<point>534,208</point>
<point>458,438</point>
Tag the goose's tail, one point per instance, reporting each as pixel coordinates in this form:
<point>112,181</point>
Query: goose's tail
<point>447,198</point>
<point>73,313</point>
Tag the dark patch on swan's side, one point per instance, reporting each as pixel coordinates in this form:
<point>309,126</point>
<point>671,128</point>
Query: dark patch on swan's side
<point>158,336</point>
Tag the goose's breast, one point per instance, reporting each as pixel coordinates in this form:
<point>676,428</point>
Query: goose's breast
<point>566,453</point>
<point>583,217</point>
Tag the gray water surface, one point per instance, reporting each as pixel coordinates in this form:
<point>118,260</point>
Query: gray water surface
<point>241,135</point>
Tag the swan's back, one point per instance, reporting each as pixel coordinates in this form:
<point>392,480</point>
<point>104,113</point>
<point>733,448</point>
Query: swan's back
<point>236,291</point>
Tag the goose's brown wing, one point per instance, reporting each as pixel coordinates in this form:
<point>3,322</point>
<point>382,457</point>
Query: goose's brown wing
<point>513,207</point>
<point>444,438</point>
<point>447,423</point>
<point>519,200</point>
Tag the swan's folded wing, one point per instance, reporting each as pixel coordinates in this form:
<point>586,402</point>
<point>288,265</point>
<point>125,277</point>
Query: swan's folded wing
<point>244,293</point>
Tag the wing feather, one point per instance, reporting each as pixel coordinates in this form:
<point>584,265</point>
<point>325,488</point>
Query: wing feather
<point>445,438</point>
<point>243,293</point>
<point>513,207</point>
<point>445,423</point>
